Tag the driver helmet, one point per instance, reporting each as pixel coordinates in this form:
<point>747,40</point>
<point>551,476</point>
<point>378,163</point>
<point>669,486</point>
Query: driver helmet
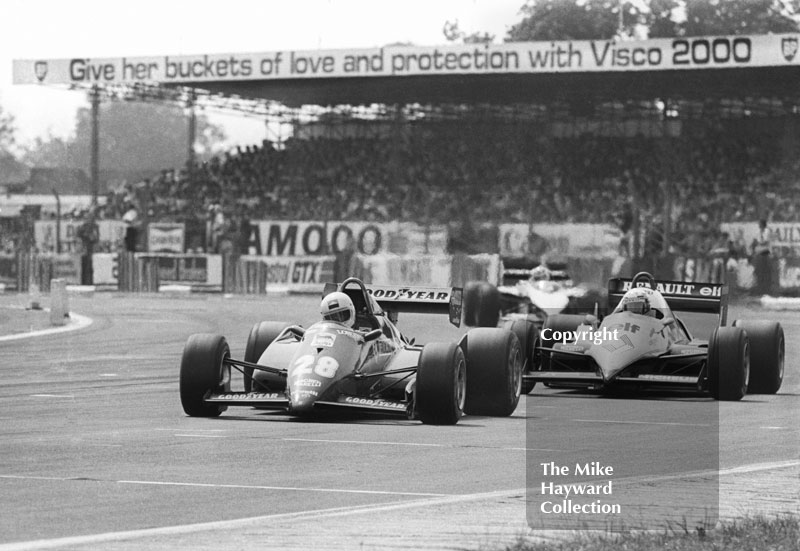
<point>636,302</point>
<point>540,273</point>
<point>338,307</point>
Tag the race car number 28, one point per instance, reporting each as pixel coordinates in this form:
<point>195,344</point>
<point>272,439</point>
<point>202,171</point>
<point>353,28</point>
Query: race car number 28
<point>325,366</point>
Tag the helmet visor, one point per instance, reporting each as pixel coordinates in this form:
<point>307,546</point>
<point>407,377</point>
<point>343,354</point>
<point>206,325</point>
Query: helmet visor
<point>638,306</point>
<point>338,315</point>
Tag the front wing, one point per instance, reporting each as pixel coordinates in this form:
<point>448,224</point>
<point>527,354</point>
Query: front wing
<point>279,401</point>
<point>576,369</point>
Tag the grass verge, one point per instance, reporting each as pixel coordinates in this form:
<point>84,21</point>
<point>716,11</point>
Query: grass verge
<point>755,533</point>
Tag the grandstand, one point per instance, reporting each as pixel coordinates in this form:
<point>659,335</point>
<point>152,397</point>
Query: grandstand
<point>701,133</point>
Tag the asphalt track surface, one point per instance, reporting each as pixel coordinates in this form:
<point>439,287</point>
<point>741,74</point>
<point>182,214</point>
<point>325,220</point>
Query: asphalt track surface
<point>97,453</point>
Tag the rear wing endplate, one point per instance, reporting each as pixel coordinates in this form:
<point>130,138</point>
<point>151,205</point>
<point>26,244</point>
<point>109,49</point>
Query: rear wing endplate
<point>681,296</point>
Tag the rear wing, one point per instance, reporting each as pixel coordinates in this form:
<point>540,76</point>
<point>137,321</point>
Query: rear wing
<point>417,300</point>
<point>512,275</point>
<point>681,296</point>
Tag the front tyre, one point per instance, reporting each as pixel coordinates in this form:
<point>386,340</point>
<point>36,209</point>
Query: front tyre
<point>203,371</point>
<point>494,372</point>
<point>767,350</point>
<point>527,333</point>
<point>440,387</point>
<point>728,363</point>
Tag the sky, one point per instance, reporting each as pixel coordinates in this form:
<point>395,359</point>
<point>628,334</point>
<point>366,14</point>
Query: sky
<point>53,29</point>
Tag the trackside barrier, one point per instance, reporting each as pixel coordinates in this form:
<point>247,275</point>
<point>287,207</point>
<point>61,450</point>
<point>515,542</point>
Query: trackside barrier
<point>711,270</point>
<point>476,267</point>
<point>251,274</point>
<point>740,274</point>
<point>138,275</point>
<point>149,272</point>
<point>32,270</point>
<point>432,270</point>
<point>592,271</point>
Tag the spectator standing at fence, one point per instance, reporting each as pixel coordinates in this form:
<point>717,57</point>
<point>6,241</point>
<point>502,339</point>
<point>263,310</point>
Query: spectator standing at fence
<point>131,219</point>
<point>762,261</point>
<point>89,235</point>
<point>217,225</point>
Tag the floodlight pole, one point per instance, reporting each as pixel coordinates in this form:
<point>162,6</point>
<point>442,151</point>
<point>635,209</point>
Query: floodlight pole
<point>191,134</point>
<point>95,145</point>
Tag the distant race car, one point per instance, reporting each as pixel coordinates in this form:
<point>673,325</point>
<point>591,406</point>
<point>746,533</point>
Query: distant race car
<point>523,304</point>
<point>370,366</point>
<point>548,287</point>
<point>642,343</point>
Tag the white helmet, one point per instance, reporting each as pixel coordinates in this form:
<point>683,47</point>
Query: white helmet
<point>636,301</point>
<point>540,273</point>
<point>338,307</point>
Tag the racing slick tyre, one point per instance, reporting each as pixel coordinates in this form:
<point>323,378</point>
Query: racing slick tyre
<point>261,336</point>
<point>728,363</point>
<point>557,323</point>
<point>494,372</point>
<point>528,334</point>
<point>481,304</point>
<point>202,371</point>
<point>767,349</point>
<point>440,387</point>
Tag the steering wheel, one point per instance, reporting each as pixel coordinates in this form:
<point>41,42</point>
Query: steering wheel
<point>646,277</point>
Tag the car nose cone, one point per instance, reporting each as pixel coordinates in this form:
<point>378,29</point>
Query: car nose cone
<point>301,402</point>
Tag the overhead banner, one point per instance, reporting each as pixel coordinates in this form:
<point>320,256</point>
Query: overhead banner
<point>567,56</point>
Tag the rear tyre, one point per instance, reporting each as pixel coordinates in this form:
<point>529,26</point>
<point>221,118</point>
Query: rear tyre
<point>527,333</point>
<point>557,323</point>
<point>261,336</point>
<point>728,363</point>
<point>440,388</point>
<point>202,372</point>
<point>481,303</point>
<point>494,372</point>
<point>767,350</point>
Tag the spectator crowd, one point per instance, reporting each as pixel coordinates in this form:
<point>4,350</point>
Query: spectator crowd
<point>489,171</point>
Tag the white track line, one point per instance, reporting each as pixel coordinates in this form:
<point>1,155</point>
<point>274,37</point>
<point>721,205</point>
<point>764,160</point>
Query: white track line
<point>312,514</point>
<point>76,322</point>
<point>615,422</point>
<point>416,444</point>
<point>761,467</point>
<point>281,488</point>
<point>230,486</point>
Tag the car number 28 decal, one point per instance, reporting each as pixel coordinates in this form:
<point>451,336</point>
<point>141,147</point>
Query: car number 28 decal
<point>325,366</point>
